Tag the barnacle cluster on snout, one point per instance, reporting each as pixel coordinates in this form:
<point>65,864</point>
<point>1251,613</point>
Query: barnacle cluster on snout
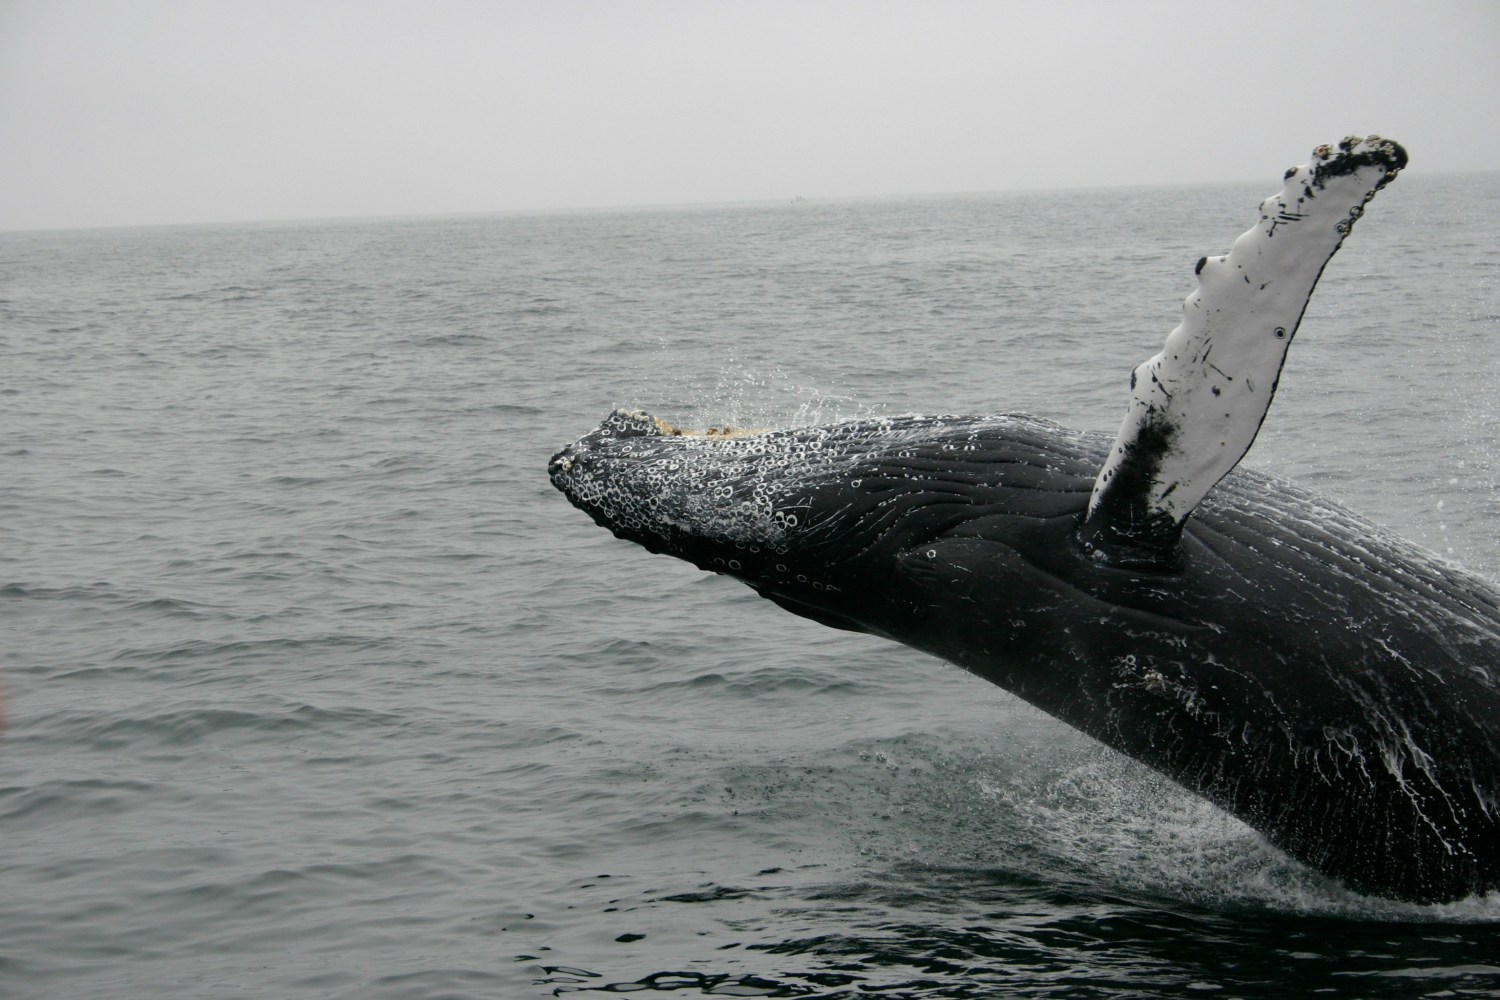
<point>645,477</point>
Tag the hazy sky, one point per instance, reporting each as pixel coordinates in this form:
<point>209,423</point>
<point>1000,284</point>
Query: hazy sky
<point>156,111</point>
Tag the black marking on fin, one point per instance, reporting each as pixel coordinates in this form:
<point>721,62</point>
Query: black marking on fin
<point>1122,531</point>
<point>1382,153</point>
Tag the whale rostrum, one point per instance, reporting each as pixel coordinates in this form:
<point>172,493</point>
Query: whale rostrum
<point>1333,686</point>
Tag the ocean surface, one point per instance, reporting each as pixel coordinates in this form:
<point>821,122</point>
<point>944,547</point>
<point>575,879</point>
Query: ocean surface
<point>315,687</point>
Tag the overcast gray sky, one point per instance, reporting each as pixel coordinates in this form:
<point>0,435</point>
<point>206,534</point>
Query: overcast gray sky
<point>159,111</point>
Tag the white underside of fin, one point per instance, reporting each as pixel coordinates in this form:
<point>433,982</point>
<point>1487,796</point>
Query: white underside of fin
<point>1195,408</point>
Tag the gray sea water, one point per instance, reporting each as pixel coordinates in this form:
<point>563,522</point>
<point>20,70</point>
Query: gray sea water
<point>314,687</point>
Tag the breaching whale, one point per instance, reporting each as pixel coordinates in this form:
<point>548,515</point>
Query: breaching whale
<point>1334,687</point>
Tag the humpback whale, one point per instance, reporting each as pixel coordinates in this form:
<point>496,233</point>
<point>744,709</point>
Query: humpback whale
<point>1336,688</point>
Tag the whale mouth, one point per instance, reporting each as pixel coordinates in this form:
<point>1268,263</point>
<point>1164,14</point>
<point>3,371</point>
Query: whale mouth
<point>638,423</point>
<point>625,424</point>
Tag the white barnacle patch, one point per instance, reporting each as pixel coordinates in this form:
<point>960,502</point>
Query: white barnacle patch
<point>646,475</point>
<point>1164,680</point>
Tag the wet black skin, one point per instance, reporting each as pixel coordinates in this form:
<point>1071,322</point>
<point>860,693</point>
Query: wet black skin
<point>1333,687</point>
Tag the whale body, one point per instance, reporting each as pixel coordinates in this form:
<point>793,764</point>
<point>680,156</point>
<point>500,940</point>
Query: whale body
<point>1334,687</point>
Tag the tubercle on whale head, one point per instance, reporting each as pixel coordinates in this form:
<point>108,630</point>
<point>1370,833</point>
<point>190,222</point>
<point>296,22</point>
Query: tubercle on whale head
<point>679,491</point>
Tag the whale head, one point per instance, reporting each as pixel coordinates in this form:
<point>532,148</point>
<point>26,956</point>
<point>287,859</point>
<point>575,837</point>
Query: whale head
<point>818,519</point>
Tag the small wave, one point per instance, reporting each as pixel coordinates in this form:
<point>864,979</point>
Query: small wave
<point>85,592</point>
<point>171,606</point>
<point>190,726</point>
<point>450,340</point>
<point>542,305</point>
<point>107,595</point>
<point>764,682</point>
<point>711,894</point>
<point>202,652</point>
<point>71,798</point>
<point>223,293</point>
<point>297,481</point>
<point>404,463</point>
<point>515,408</point>
<point>568,979</point>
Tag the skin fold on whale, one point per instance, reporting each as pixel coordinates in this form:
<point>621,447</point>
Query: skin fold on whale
<point>1333,686</point>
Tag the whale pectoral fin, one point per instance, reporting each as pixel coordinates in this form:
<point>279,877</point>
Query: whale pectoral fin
<point>1196,407</point>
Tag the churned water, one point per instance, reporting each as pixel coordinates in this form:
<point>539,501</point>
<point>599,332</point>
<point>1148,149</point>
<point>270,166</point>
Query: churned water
<point>316,688</point>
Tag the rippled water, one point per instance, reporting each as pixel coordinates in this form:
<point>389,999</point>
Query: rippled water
<point>316,687</point>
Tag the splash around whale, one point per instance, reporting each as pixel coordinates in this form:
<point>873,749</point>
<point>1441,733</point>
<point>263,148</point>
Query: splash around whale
<point>1331,685</point>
